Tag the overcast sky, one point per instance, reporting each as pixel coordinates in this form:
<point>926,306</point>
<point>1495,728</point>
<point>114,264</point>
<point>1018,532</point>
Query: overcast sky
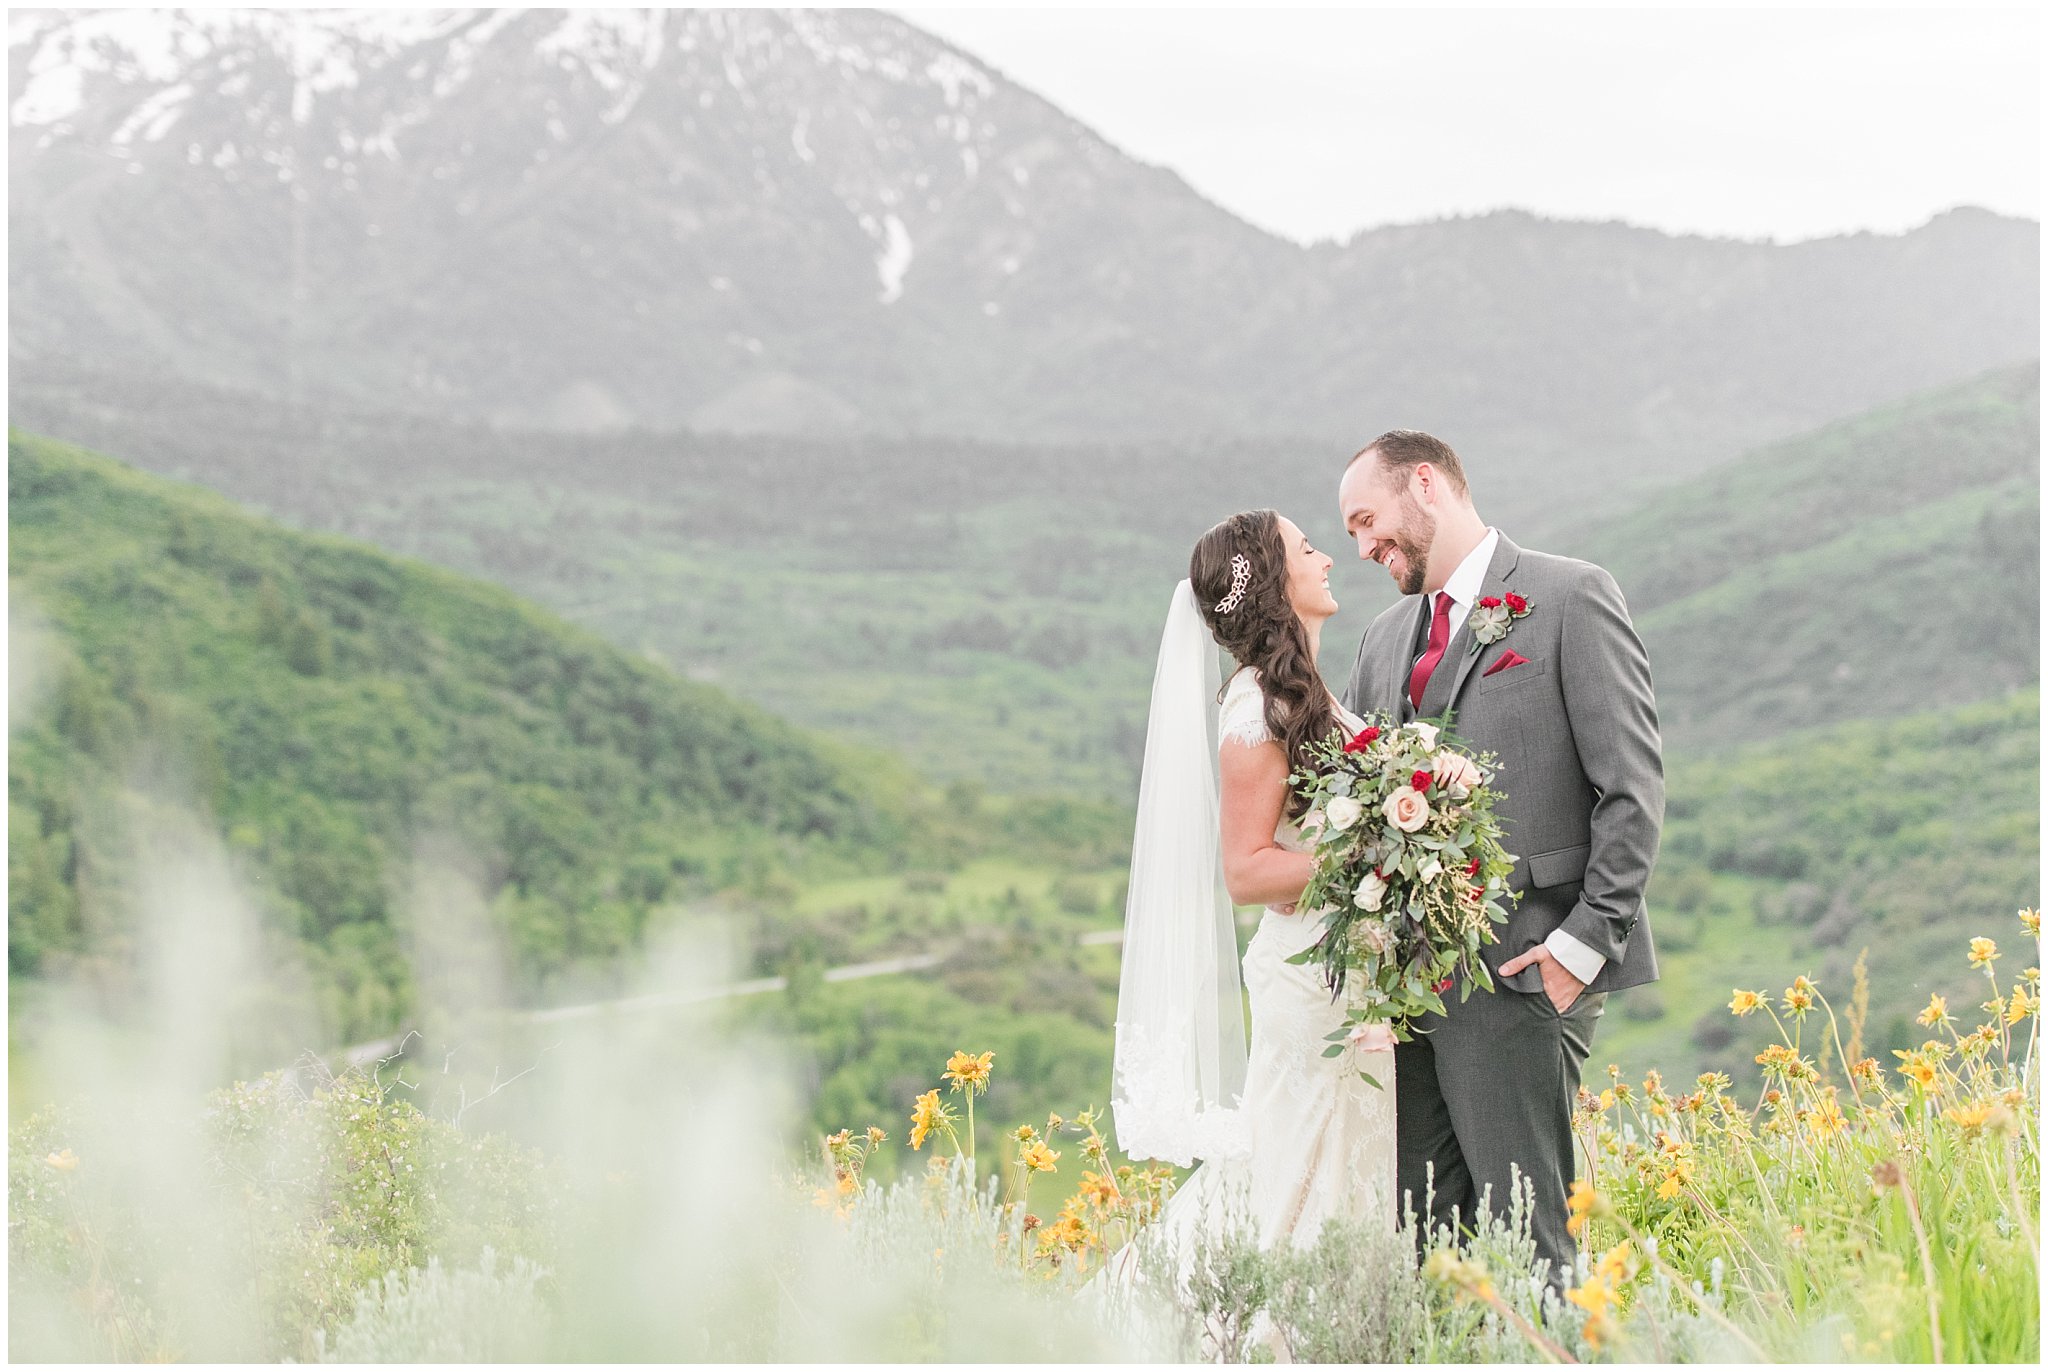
<point>1751,123</point>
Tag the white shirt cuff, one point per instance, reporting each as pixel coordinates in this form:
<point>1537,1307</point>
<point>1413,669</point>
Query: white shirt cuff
<point>1581,961</point>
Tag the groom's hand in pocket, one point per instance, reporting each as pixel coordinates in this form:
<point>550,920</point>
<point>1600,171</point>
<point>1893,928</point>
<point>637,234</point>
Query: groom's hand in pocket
<point>1560,985</point>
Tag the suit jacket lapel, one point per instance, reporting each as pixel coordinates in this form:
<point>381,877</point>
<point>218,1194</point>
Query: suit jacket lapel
<point>1498,573</point>
<point>1397,687</point>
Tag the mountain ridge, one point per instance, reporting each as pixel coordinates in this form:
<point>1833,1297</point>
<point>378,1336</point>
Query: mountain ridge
<point>833,223</point>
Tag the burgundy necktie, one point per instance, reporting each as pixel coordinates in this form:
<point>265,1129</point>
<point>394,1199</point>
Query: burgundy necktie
<point>1439,639</point>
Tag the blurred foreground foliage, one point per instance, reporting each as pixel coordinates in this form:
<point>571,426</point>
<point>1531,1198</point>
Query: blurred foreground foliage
<point>1855,1210</point>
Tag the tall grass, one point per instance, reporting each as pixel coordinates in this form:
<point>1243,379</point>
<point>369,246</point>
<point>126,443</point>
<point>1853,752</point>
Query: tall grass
<point>636,1193</point>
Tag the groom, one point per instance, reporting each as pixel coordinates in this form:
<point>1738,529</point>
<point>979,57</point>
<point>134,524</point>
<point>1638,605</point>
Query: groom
<point>1551,677</point>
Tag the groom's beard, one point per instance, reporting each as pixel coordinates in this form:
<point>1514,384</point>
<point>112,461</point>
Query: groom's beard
<point>1418,532</point>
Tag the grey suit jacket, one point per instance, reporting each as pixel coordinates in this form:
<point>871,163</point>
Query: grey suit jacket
<point>1575,729</point>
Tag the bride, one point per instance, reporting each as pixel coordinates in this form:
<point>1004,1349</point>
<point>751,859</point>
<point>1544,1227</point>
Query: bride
<point>1288,1138</point>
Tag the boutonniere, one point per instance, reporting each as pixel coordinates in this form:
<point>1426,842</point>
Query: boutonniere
<point>1493,616</point>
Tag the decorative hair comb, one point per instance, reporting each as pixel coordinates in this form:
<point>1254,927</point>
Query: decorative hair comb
<point>1240,577</point>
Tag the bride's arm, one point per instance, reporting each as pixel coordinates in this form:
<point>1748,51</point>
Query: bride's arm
<point>1257,870</point>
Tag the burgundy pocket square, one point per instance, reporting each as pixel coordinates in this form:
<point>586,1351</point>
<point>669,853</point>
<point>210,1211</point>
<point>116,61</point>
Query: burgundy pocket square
<point>1510,658</point>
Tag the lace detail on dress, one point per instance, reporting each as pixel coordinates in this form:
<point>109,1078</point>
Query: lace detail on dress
<point>1158,1115</point>
<point>1243,715</point>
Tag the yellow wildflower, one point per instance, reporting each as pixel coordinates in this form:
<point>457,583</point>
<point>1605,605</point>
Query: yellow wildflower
<point>1866,1069</point>
<point>1097,1189</point>
<point>1983,952</point>
<point>1614,1264</point>
<point>1780,1058</point>
<point>1606,1100</point>
<point>1580,1205</point>
<point>1827,1120</point>
<point>1596,1298</point>
<point>929,1114</point>
<point>1716,1082</point>
<point>1036,1157</point>
<point>1746,1002</point>
<point>64,1160</point>
<point>1916,1069</point>
<point>876,1136</point>
<point>1969,1118</point>
<point>1024,1133</point>
<point>1935,1013</point>
<point>847,1184</point>
<point>1980,1038</point>
<point>969,1072</point>
<point>2017,1011</point>
<point>2030,920</point>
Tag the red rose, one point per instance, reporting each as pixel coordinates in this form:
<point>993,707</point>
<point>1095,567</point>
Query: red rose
<point>1473,870</point>
<point>1442,986</point>
<point>1363,739</point>
<point>1420,781</point>
<point>1491,602</point>
<point>1517,605</point>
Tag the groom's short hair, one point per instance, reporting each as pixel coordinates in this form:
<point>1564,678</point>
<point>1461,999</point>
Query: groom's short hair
<point>1400,451</point>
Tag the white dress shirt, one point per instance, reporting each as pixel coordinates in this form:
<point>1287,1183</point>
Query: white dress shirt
<point>1464,586</point>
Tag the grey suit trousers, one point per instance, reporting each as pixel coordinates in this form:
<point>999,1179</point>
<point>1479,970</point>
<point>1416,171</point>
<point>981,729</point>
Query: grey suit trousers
<point>1484,1098</point>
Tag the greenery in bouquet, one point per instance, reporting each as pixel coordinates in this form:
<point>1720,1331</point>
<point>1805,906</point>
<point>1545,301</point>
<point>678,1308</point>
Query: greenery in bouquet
<point>1410,873</point>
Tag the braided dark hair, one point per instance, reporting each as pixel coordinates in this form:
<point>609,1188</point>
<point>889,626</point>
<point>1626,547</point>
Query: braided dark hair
<point>1263,632</point>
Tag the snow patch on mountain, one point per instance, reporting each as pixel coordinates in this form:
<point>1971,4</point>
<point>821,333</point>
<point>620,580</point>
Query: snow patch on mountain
<point>954,74</point>
<point>894,263</point>
<point>153,118</point>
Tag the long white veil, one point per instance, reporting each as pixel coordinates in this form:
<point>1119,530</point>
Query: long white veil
<point>1180,1043</point>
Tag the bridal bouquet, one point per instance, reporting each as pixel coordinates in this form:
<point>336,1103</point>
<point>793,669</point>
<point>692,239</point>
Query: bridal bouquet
<point>1410,873</point>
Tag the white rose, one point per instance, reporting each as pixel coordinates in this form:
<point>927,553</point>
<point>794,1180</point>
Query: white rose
<point>1427,733</point>
<point>1456,771</point>
<point>1431,870</point>
<point>1344,812</point>
<point>1376,937</point>
<point>1406,810</point>
<point>1371,891</point>
<point>1370,1038</point>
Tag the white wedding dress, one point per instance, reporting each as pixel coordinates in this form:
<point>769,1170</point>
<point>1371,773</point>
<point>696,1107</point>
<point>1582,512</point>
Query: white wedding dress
<point>1319,1139</point>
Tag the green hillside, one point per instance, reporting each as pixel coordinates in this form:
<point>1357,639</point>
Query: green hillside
<point>331,707</point>
<point>1884,565</point>
<point>989,612</point>
<point>1903,837</point>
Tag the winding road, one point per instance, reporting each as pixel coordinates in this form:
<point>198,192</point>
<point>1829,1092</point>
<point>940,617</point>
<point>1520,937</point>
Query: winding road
<point>363,1054</point>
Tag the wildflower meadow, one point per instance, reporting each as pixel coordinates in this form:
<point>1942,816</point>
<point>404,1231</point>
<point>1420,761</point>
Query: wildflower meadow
<point>1852,1210</point>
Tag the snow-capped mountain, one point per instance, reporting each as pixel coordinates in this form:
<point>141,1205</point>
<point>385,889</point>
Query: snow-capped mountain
<point>824,221</point>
